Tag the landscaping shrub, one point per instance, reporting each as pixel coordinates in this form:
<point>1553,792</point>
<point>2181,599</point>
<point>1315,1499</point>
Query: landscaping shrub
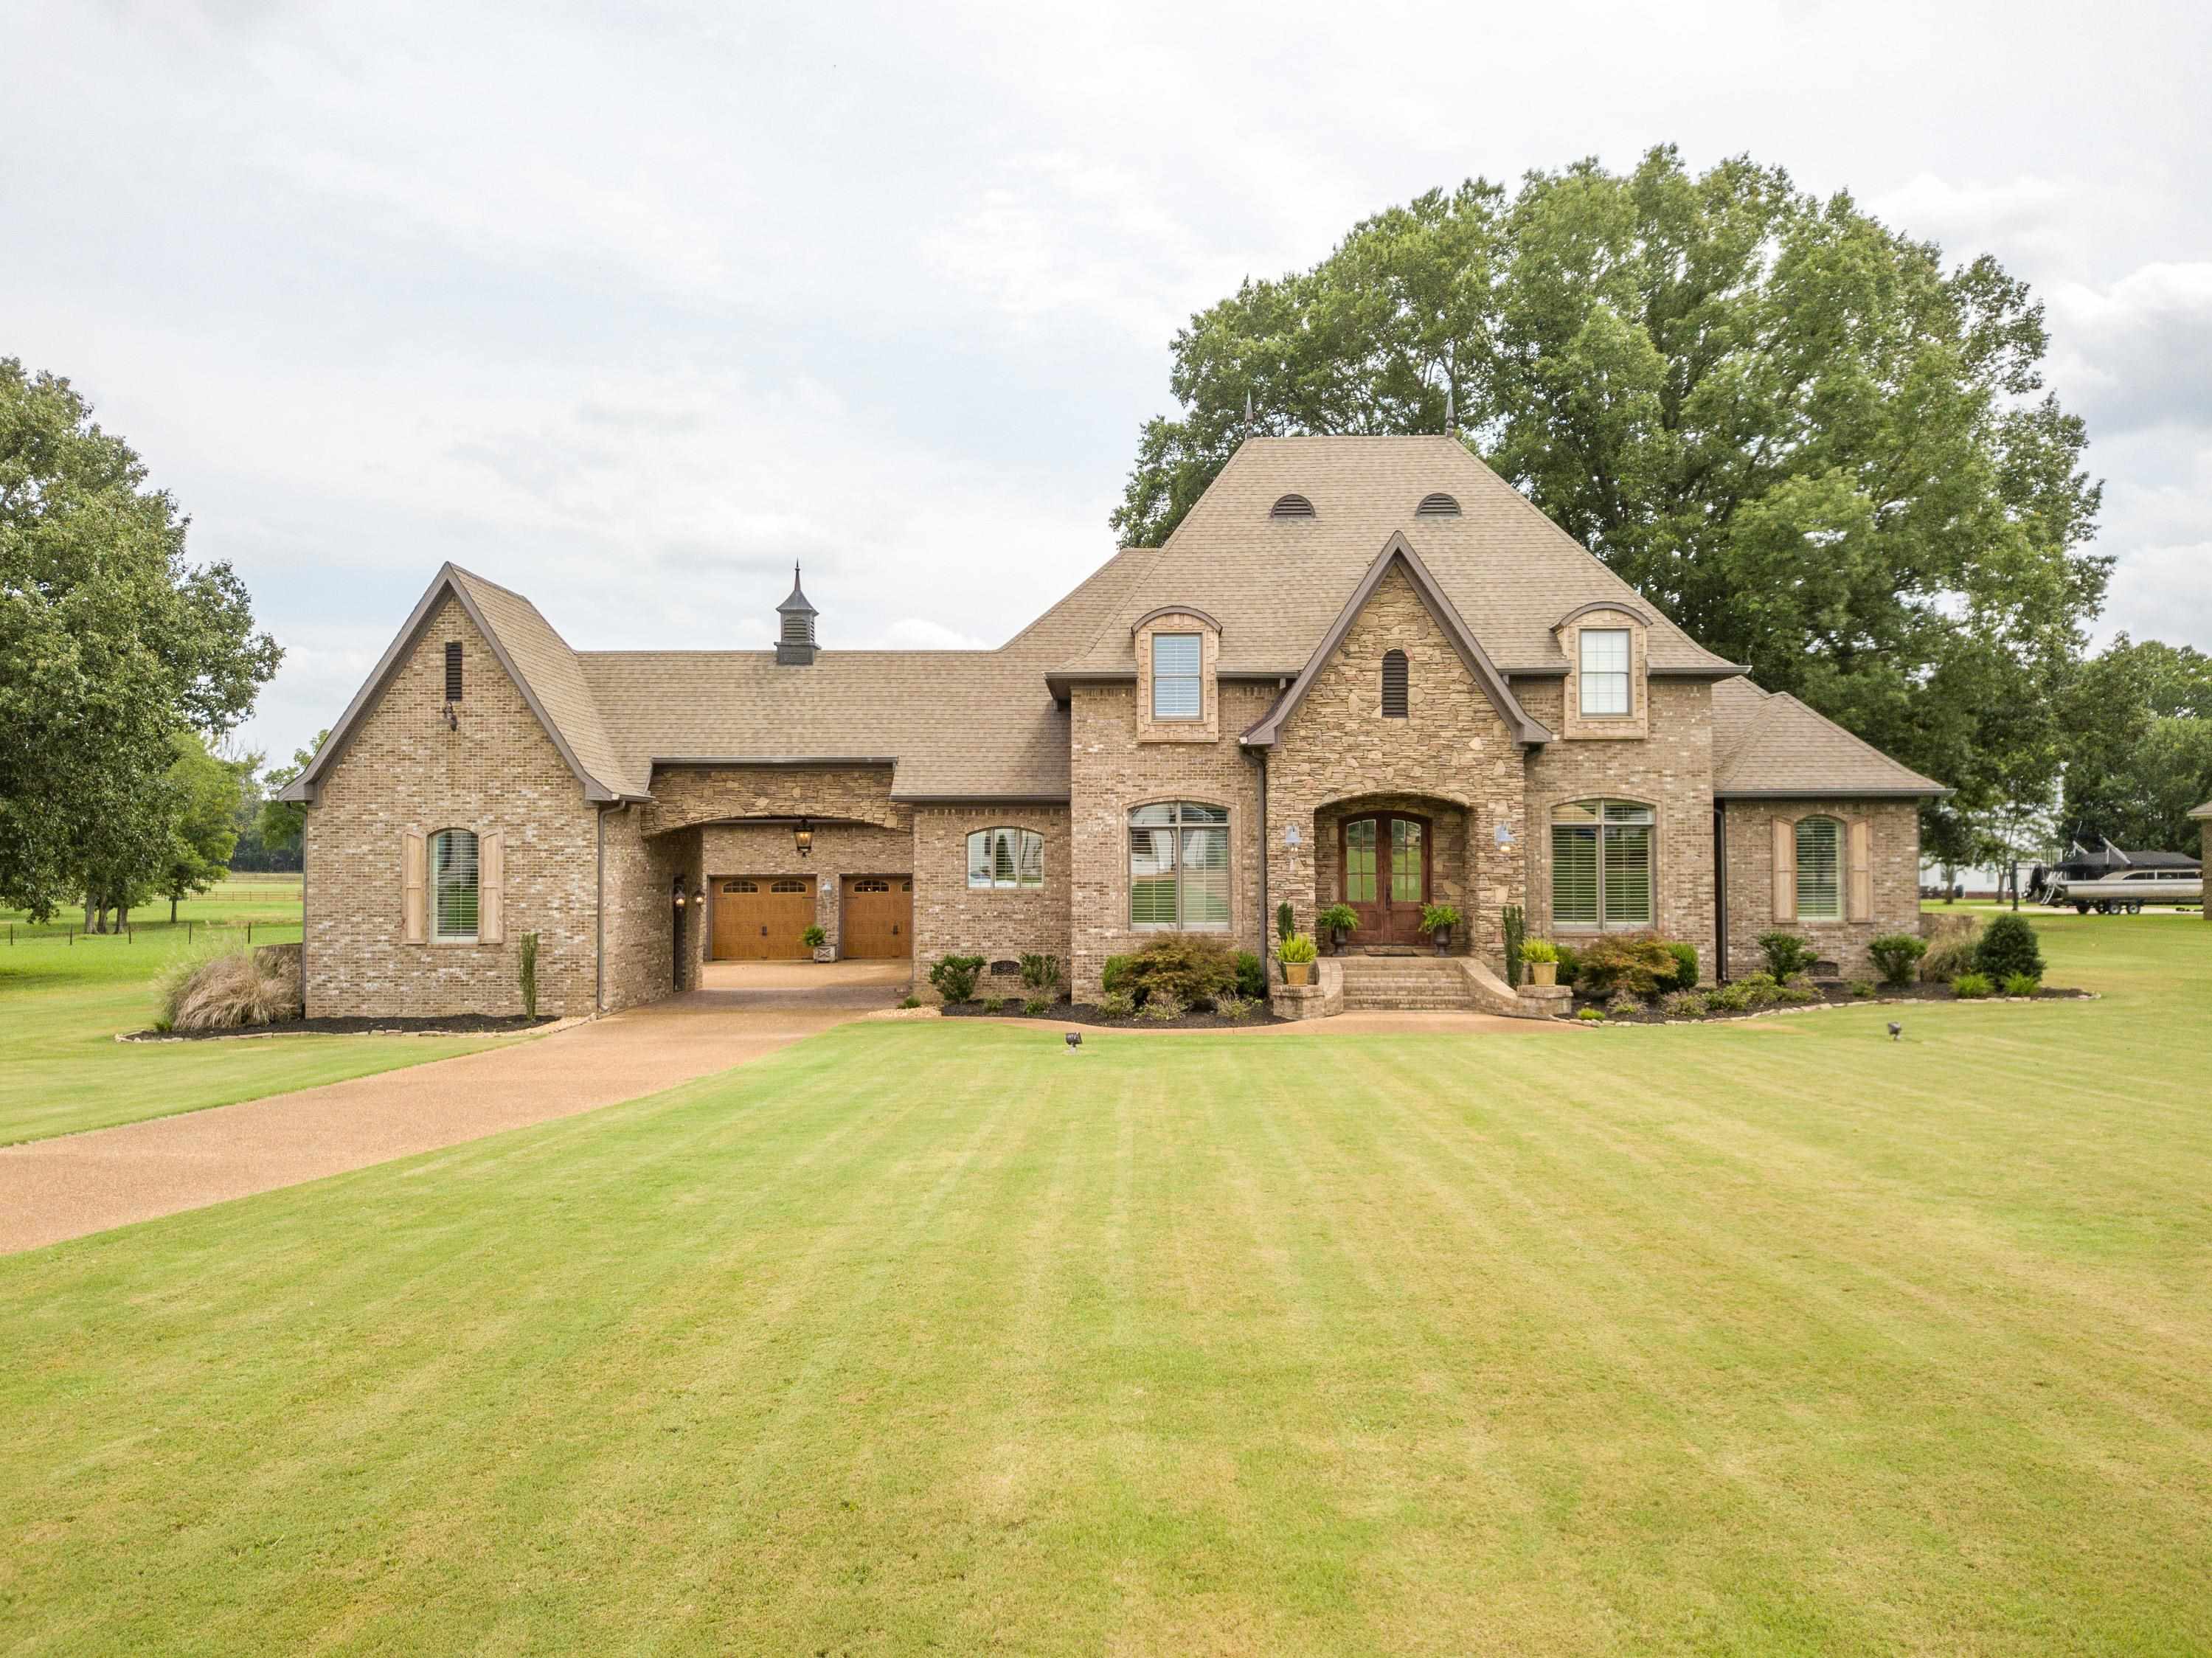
<point>1798,994</point>
<point>1162,1005</point>
<point>2022,984</point>
<point>1570,965</point>
<point>814,938</point>
<point>993,1004</point>
<point>1286,920</point>
<point>1116,1004</point>
<point>526,974</point>
<point>1729,998</point>
<point>1948,956</point>
<point>954,977</point>
<point>911,1002</point>
<point>1190,967</point>
<point>1786,953</point>
<point>1036,1007</point>
<point>222,991</point>
<point>1864,988</point>
<point>1594,1015</point>
<point>1336,918</point>
<point>1685,964</point>
<point>1684,1004</point>
<point>1895,954</point>
<point>2007,947</point>
<point>1233,1007</point>
<point>1040,973</point>
<point>1759,989</point>
<point>1516,929</point>
<point>1114,975</point>
<point>1251,976</point>
<point>1640,965</point>
<point>1624,1002</point>
<point>1971,986</point>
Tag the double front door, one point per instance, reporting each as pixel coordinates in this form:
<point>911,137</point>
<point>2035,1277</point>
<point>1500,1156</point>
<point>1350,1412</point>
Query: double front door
<point>1385,857</point>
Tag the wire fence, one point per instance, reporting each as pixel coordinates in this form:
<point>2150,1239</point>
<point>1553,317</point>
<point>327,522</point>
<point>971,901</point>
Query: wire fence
<point>190,931</point>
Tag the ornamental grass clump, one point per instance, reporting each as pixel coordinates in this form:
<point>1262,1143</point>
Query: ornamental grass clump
<point>1036,1007</point>
<point>1971,986</point>
<point>2022,984</point>
<point>226,992</point>
<point>1951,952</point>
<point>992,1003</point>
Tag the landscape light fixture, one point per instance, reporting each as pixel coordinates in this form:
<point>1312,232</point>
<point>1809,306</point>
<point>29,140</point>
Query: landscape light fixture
<point>1074,1040</point>
<point>803,837</point>
<point>1896,1030</point>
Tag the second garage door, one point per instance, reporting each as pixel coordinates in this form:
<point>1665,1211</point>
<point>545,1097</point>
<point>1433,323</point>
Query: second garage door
<point>759,918</point>
<point>878,917</point>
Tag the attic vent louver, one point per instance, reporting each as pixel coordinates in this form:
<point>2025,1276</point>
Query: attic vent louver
<point>1291,506</point>
<point>1437,506</point>
<point>794,640</point>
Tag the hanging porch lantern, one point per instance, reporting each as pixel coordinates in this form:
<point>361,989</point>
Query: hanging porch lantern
<point>803,837</point>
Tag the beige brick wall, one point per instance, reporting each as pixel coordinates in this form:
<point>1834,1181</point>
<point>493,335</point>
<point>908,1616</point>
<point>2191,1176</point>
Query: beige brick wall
<point>1569,721</point>
<point>402,769</point>
<point>840,849</point>
<point>1452,757</point>
<point>639,928</point>
<point>1895,844</point>
<point>1111,774</point>
<point>950,919</point>
<point>687,795</point>
<point>1671,770</point>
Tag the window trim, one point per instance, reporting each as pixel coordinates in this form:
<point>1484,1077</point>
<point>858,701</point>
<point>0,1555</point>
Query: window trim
<point>1585,676</point>
<point>1024,836</point>
<point>1600,803</point>
<point>1195,678</point>
<point>438,934</point>
<point>1177,827</point>
<point>1841,852</point>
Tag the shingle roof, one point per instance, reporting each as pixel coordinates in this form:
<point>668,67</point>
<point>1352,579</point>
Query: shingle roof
<point>1277,583</point>
<point>550,668</point>
<point>1768,743</point>
<point>2204,811</point>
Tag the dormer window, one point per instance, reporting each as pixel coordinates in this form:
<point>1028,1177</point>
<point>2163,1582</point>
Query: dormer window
<point>1437,506</point>
<point>1291,506</point>
<point>1605,671</point>
<point>1178,693</point>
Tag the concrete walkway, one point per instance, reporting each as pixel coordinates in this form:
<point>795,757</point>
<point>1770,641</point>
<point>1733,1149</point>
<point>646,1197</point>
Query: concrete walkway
<point>78,1183</point>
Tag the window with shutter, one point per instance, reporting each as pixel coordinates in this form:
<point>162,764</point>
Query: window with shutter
<point>1603,864</point>
<point>1394,684</point>
<point>1819,846</point>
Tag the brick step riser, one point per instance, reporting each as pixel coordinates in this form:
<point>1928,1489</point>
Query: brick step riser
<point>1406,1005</point>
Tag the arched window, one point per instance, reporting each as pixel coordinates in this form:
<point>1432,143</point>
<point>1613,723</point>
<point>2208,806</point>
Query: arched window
<point>1006,858</point>
<point>1601,864</point>
<point>1394,684</point>
<point>454,885</point>
<point>1820,847</point>
<point>1179,868</point>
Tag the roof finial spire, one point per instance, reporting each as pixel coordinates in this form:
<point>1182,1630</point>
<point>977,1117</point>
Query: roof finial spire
<point>1247,411</point>
<point>1448,424</point>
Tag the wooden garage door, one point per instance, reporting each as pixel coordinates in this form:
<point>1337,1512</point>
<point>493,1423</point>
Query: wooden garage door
<point>878,917</point>
<point>759,918</point>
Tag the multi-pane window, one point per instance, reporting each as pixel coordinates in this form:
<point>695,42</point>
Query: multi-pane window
<point>1820,870</point>
<point>1394,684</point>
<point>1179,867</point>
<point>1006,858</point>
<point>1605,671</point>
<point>453,883</point>
<point>1176,693</point>
<point>1601,864</point>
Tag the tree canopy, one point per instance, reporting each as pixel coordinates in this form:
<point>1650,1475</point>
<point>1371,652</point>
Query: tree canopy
<point>114,643</point>
<point>2138,746</point>
<point>1823,453</point>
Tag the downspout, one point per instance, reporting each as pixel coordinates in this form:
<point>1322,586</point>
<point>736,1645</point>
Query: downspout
<point>600,923</point>
<point>1720,891</point>
<point>1260,755</point>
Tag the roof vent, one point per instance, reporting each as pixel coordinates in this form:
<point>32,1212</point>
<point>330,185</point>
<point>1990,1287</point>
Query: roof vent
<point>1291,506</point>
<point>794,640</point>
<point>1438,504</point>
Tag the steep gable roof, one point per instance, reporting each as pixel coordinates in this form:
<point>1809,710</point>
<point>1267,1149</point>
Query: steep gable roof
<point>1768,744</point>
<point>541,664</point>
<point>1396,554</point>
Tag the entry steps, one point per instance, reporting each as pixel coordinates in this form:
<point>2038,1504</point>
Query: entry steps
<point>1408,982</point>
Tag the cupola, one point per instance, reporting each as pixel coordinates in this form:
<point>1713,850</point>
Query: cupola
<point>795,639</point>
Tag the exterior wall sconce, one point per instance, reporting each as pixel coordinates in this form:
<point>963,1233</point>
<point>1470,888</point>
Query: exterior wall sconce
<point>678,892</point>
<point>803,837</point>
<point>451,716</point>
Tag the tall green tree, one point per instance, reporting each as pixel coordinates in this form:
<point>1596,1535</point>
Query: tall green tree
<point>113,642</point>
<point>203,792</point>
<point>283,822</point>
<point>2138,746</point>
<point>1822,452</point>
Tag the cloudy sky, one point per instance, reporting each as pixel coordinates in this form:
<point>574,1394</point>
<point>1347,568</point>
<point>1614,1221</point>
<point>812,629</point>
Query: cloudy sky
<point>629,306</point>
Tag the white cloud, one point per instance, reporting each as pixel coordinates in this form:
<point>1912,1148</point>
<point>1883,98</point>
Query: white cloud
<point>2138,352</point>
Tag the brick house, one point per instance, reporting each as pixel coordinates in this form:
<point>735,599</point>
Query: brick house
<point>1363,670</point>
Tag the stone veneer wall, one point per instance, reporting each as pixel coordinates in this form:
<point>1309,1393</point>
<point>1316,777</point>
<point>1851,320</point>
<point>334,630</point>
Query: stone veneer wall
<point>840,849</point>
<point>1110,773</point>
<point>1671,770</point>
<point>640,873</point>
<point>951,918</point>
<point>683,796</point>
<point>404,769</point>
<point>1452,877</point>
<point>1894,834</point>
<point>1453,747</point>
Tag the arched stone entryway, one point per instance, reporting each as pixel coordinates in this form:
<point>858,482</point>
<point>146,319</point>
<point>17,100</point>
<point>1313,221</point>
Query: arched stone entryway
<point>1390,856</point>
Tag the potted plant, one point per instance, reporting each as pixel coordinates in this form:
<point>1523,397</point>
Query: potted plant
<point>1297,954</point>
<point>818,941</point>
<point>1438,920</point>
<point>1542,958</point>
<point>1336,924</point>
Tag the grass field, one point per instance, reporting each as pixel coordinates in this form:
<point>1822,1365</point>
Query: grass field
<point>1767,1337</point>
<point>62,1004</point>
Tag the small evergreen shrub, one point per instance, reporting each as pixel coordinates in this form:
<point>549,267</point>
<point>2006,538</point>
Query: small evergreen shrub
<point>1969,986</point>
<point>526,972</point>
<point>993,1004</point>
<point>911,1002</point>
<point>1895,954</point>
<point>1036,1007</point>
<point>1759,989</point>
<point>1286,921</point>
<point>1116,1004</point>
<point>2007,947</point>
<point>954,977</point>
<point>1114,975</point>
<point>1251,976</point>
<point>1639,965</point>
<point>1161,1006</point>
<point>1684,1004</point>
<point>1786,953</point>
<point>1040,973</point>
<point>1796,995</point>
<point>1623,1003</point>
<point>1571,964</point>
<point>1863,988</point>
<point>1685,963</point>
<point>1515,926</point>
<point>1592,1015</point>
<point>1191,966</point>
<point>2022,984</point>
<point>1729,998</point>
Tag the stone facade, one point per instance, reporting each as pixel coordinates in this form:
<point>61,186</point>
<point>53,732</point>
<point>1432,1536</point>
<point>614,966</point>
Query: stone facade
<point>683,796</point>
<point>1452,757</point>
<point>1894,838</point>
<point>998,924</point>
<point>1671,771</point>
<point>404,769</point>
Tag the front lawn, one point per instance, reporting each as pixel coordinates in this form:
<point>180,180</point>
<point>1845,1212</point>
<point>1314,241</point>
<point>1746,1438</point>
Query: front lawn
<point>62,1002</point>
<point>1756,1337</point>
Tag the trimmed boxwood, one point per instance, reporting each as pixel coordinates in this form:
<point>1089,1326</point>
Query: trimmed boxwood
<point>2008,949</point>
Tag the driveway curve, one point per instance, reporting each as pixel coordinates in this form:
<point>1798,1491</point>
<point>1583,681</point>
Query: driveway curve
<point>77,1184</point>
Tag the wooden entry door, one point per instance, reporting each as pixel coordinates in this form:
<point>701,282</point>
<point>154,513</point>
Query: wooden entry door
<point>878,917</point>
<point>759,918</point>
<point>1384,857</point>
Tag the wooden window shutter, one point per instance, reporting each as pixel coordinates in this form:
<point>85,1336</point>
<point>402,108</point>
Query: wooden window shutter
<point>414,924</point>
<point>1859,901</point>
<point>1785,870</point>
<point>491,871</point>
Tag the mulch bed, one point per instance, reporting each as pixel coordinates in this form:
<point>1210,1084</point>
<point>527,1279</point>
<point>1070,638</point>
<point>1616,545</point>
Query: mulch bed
<point>1087,1014</point>
<point>455,1024</point>
<point>1827,995</point>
